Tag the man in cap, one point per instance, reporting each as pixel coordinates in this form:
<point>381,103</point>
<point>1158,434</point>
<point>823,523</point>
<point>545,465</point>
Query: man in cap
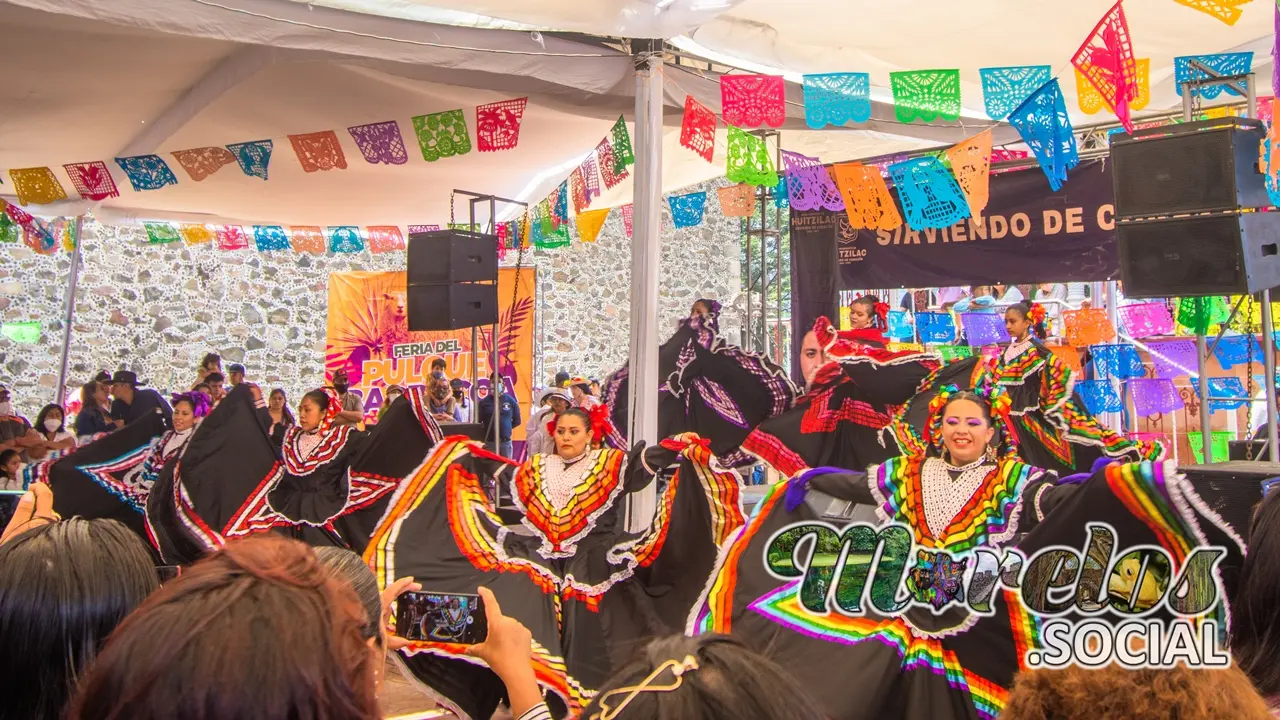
<point>134,400</point>
<point>459,388</point>
<point>508,417</point>
<point>537,438</point>
<point>352,412</point>
<point>235,374</point>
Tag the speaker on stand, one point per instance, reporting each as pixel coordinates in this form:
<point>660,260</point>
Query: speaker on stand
<point>1194,218</point>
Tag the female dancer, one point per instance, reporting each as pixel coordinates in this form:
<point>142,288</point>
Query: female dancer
<point>328,485</point>
<point>855,387</point>
<point>869,319</point>
<point>113,476</point>
<point>941,650</point>
<point>584,586</point>
<point>708,387</point>
<point>1054,429</point>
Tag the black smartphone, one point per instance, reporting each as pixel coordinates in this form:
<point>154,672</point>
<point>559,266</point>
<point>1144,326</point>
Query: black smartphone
<point>168,572</point>
<point>441,617</point>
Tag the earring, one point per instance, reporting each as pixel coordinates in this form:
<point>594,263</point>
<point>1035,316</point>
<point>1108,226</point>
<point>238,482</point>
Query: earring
<point>991,453</point>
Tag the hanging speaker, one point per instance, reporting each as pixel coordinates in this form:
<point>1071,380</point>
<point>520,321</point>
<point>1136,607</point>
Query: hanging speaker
<point>1190,207</point>
<point>452,306</point>
<point>452,256</point>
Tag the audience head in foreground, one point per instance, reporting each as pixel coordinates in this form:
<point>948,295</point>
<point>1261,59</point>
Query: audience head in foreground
<point>64,586</point>
<point>260,629</point>
<point>695,678</point>
<point>1114,693</point>
<point>1255,614</point>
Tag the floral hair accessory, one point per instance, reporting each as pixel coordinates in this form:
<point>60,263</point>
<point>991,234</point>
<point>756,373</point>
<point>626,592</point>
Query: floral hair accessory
<point>601,425</point>
<point>201,405</point>
<point>998,403</point>
<point>1037,313</point>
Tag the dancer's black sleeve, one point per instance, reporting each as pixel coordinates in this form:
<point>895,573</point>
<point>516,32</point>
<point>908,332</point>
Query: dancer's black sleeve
<point>644,463</point>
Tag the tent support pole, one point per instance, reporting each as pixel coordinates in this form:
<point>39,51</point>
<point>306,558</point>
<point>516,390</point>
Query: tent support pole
<point>645,258</point>
<point>61,391</point>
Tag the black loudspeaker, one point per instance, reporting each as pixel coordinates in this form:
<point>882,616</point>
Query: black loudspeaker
<point>1187,201</point>
<point>452,256</point>
<point>452,280</point>
<point>1232,489</point>
<point>450,306</point>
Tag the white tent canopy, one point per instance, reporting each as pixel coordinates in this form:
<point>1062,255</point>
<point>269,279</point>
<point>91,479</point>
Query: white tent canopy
<point>97,79</point>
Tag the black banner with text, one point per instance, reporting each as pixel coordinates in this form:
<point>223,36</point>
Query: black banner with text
<point>1026,235</point>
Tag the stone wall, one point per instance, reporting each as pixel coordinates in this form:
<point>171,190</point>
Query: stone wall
<point>157,309</point>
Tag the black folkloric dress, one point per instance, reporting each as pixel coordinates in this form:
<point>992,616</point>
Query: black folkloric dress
<point>952,665</point>
<point>708,387</point>
<point>1055,431</point>
<point>112,477</point>
<point>586,588</point>
<point>842,420</point>
<point>329,488</point>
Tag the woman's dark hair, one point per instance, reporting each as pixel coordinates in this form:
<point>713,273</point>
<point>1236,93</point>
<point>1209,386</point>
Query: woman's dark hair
<point>869,302</point>
<point>259,630</point>
<point>1023,311</point>
<point>211,359</point>
<point>214,377</point>
<point>319,397</point>
<point>184,399</point>
<point>87,391</point>
<point>202,387</point>
<point>5,457</point>
<point>578,413</point>
<point>44,413</point>
<point>349,568</point>
<point>1255,614</point>
<point>730,682</point>
<point>286,414</point>
<point>63,588</point>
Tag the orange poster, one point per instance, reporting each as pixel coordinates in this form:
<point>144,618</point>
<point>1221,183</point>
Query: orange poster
<point>368,334</point>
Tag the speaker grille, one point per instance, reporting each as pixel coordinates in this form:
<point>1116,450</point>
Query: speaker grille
<point>1190,256</point>
<point>1178,174</point>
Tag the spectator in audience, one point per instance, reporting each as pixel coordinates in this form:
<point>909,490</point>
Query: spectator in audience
<point>203,387</point>
<point>15,432</point>
<point>440,400</point>
<point>538,439</point>
<point>280,415</point>
<point>235,374</point>
<point>259,630</point>
<point>10,470</point>
<point>95,403</point>
<point>53,431</point>
<point>391,394</point>
<point>352,412</point>
<point>350,568</point>
<point>438,365</point>
<point>214,382</point>
<point>102,377</point>
<point>211,363</point>
<point>673,678</point>
<point>131,402</point>
<point>562,380</point>
<point>508,417</point>
<point>1115,693</point>
<point>64,586</point>
<point>1255,614</point>
<point>461,400</point>
<point>583,398</point>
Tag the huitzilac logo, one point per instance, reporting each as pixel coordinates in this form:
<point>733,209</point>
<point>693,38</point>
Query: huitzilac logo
<point>1110,594</point>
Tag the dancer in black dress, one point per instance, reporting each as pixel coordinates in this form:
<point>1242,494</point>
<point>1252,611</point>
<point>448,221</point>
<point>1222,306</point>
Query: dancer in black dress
<point>708,387</point>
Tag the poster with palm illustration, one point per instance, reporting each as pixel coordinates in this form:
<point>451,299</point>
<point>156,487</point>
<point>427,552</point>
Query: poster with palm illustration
<point>368,336</point>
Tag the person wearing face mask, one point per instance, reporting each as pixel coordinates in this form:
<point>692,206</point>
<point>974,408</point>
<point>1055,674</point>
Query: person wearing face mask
<point>585,587</point>
<point>351,407</point>
<point>461,400</point>
<point>389,396</point>
<point>440,402</point>
<point>49,423</point>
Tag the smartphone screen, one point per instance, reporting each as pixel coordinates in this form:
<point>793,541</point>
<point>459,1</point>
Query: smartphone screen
<point>168,572</point>
<point>441,617</point>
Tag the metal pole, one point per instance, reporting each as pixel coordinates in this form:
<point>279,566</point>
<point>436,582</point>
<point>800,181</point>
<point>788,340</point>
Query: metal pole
<point>777,289</point>
<point>475,333</point>
<point>1269,363</point>
<point>1112,298</point>
<point>497,389</point>
<point>70,314</point>
<point>764,280</point>
<point>746,341</point>
<point>645,266</point>
<point>1202,370</point>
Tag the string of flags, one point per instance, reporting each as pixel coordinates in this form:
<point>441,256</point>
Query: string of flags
<point>934,191</point>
